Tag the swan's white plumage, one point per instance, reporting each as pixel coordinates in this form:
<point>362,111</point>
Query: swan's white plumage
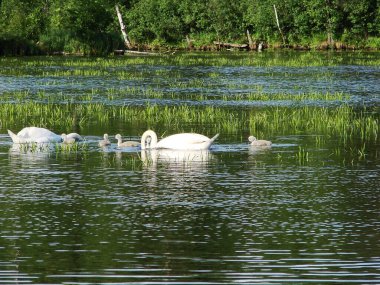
<point>183,141</point>
<point>73,136</point>
<point>105,141</point>
<point>34,134</point>
<point>255,142</point>
<point>121,144</point>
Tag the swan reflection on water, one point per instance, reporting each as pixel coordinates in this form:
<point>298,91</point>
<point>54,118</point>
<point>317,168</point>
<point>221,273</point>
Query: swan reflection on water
<point>30,154</point>
<point>258,149</point>
<point>32,148</point>
<point>180,171</point>
<point>153,156</point>
<point>43,153</point>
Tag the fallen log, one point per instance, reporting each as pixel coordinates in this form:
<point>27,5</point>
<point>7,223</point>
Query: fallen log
<point>231,45</point>
<point>142,52</point>
<point>118,52</point>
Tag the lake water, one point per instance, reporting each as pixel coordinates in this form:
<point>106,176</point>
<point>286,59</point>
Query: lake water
<point>232,215</point>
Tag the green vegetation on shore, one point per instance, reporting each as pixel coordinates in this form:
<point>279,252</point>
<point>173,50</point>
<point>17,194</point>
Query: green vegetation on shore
<point>91,27</point>
<point>117,67</point>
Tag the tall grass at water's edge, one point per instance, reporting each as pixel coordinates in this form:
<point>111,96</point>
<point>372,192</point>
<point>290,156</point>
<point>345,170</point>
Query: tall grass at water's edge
<point>266,59</point>
<point>353,130</point>
<point>343,121</point>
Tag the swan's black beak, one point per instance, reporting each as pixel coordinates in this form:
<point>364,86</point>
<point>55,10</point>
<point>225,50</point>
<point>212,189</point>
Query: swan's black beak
<point>148,141</point>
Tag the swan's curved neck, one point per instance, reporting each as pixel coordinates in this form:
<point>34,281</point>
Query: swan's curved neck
<point>145,143</point>
<point>252,139</point>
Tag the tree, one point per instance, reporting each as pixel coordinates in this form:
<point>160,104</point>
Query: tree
<point>29,26</point>
<point>360,15</point>
<point>23,19</point>
<point>325,17</point>
<point>150,20</point>
<point>195,16</point>
<point>259,17</point>
<point>226,18</point>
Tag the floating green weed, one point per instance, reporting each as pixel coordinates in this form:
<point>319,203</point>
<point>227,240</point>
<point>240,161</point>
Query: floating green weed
<point>320,141</point>
<point>71,148</point>
<point>302,156</point>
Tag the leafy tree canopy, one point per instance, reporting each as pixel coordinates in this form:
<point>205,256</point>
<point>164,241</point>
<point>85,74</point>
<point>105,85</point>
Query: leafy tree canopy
<point>92,26</point>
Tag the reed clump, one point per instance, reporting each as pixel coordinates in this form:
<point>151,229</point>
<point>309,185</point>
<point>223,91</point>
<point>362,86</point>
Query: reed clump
<point>113,95</point>
<point>76,147</point>
<point>343,121</point>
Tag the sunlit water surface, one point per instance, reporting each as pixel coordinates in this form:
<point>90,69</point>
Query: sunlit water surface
<point>234,214</point>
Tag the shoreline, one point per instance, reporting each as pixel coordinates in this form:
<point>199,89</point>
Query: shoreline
<point>32,49</point>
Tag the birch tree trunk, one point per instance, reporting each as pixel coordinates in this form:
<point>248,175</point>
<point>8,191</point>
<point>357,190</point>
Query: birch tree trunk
<point>278,24</point>
<point>122,28</point>
<point>250,41</point>
<point>330,39</point>
<point>189,42</point>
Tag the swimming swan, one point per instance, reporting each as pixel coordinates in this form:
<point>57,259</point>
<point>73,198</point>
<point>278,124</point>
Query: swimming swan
<point>120,142</point>
<point>71,138</point>
<point>105,141</point>
<point>255,142</point>
<point>183,141</point>
<point>34,134</point>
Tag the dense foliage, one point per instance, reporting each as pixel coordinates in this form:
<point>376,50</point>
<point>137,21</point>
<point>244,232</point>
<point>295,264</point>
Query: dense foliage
<point>33,26</point>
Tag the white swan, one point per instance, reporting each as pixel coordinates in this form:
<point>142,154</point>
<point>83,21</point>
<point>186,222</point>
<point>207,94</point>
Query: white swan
<point>255,142</point>
<point>105,141</point>
<point>121,144</point>
<point>71,138</point>
<point>183,141</point>
<point>34,134</point>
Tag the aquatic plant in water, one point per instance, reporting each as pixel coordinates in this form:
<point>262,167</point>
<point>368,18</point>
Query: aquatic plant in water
<point>343,121</point>
<point>115,66</point>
